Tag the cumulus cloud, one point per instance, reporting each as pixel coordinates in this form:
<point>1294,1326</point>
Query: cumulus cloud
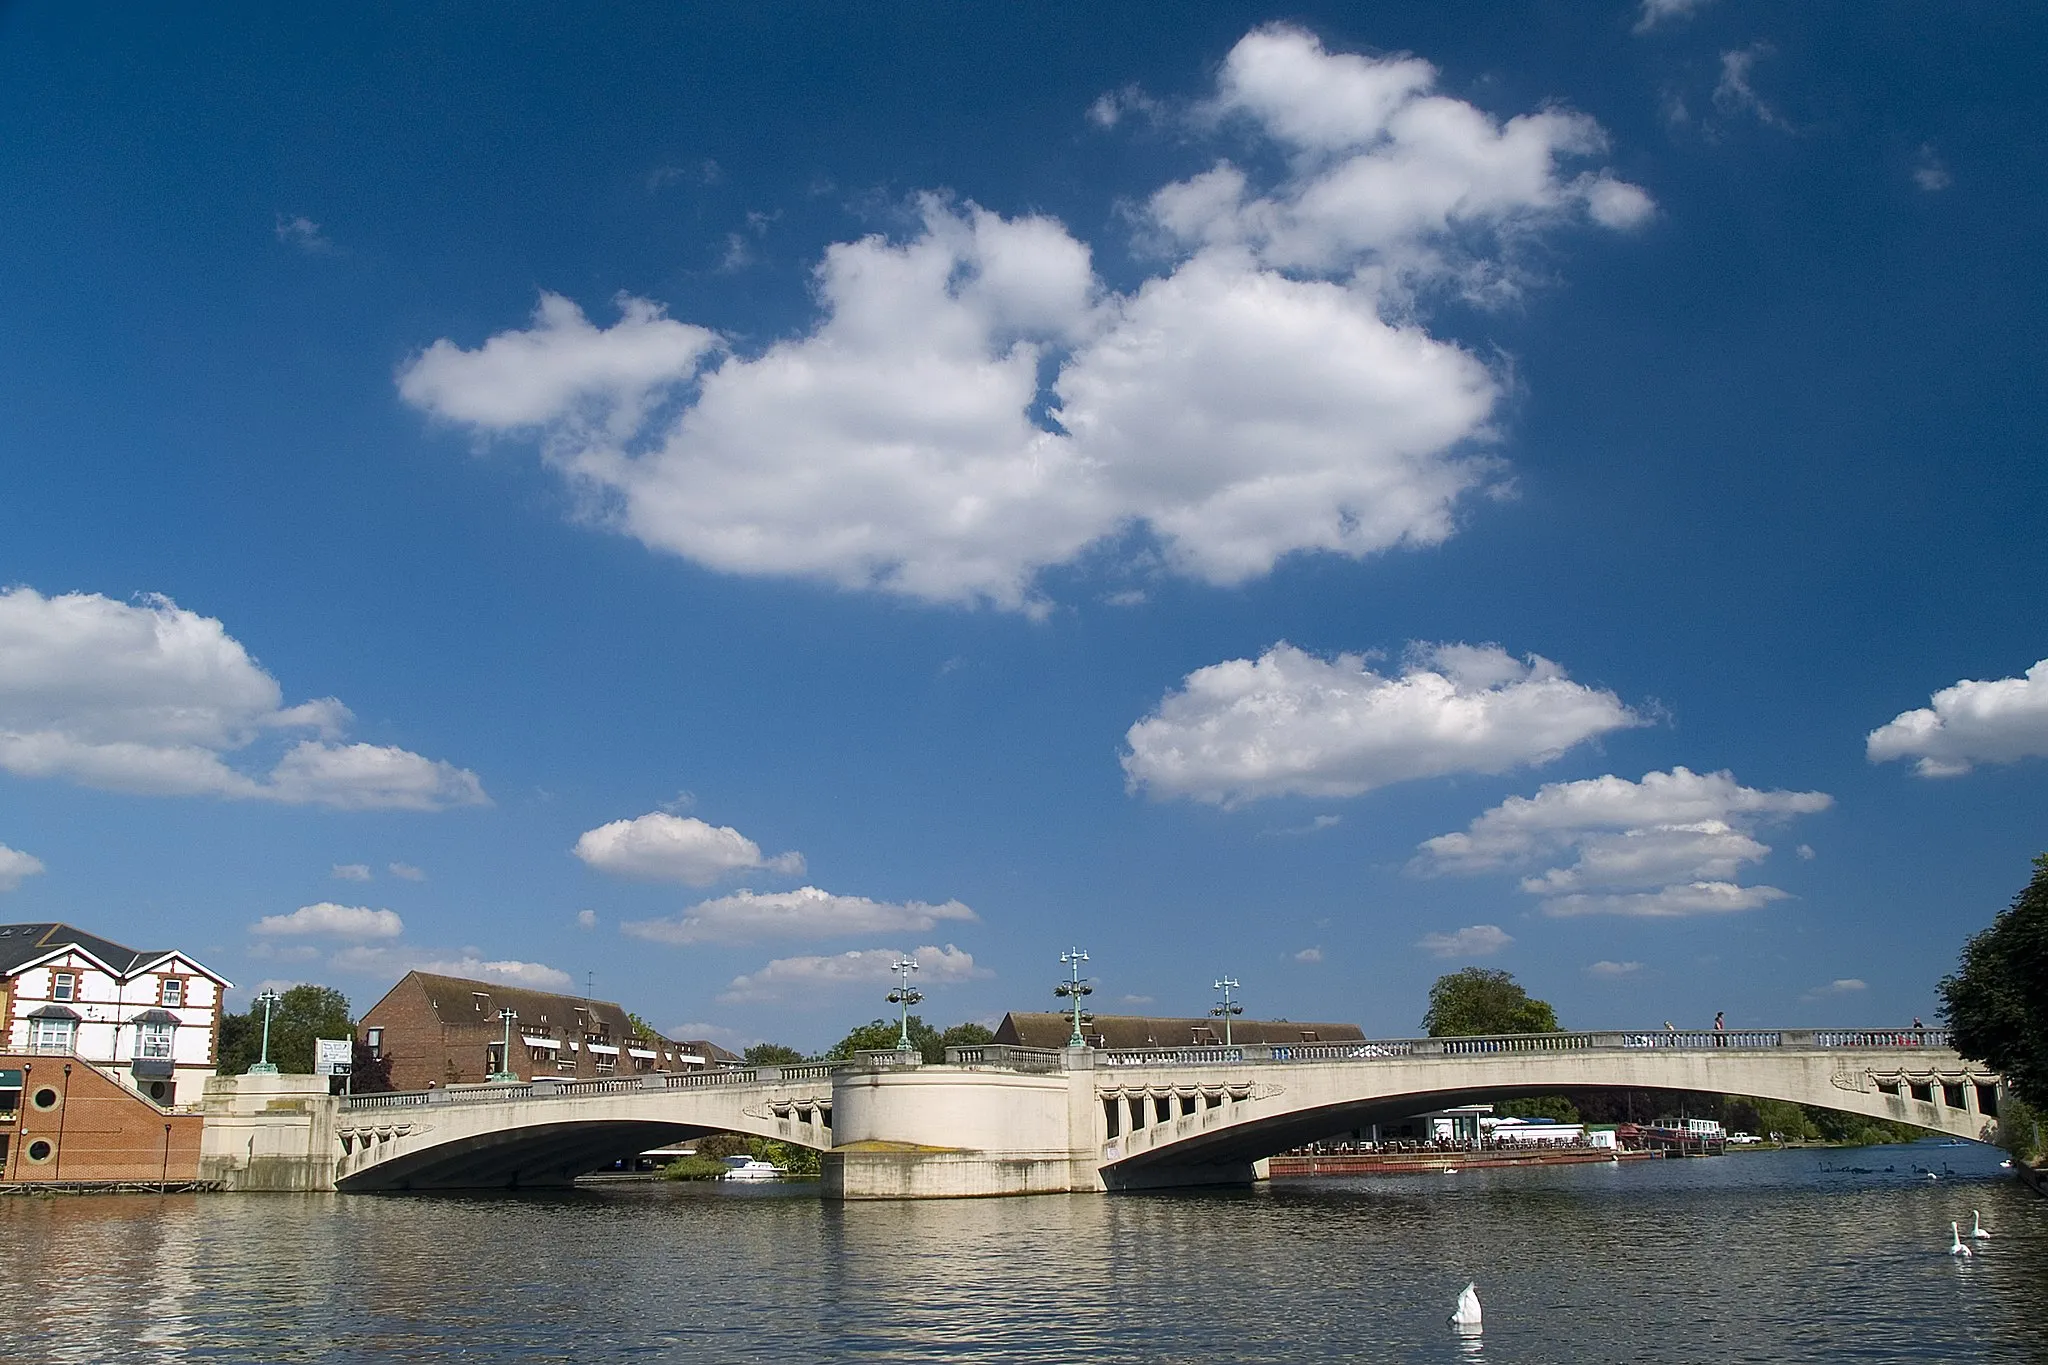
<point>1847,985</point>
<point>1610,971</point>
<point>385,961</point>
<point>586,919</point>
<point>328,920</point>
<point>1309,955</point>
<point>1656,12</point>
<point>1291,724</point>
<point>796,978</point>
<point>660,847</point>
<point>302,232</point>
<point>536,975</point>
<point>1668,846</point>
<point>406,872</point>
<point>807,912</point>
<point>149,698</point>
<point>1474,940</point>
<point>1928,171</point>
<point>1998,721</point>
<point>16,867</point>
<point>1735,93</point>
<point>974,405</point>
<point>351,872</point>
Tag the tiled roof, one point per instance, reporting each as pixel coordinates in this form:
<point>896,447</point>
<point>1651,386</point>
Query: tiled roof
<point>21,943</point>
<point>455,1002</point>
<point>1133,1031</point>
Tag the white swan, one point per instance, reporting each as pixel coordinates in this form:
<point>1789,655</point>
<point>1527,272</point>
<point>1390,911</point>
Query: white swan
<point>1450,1170</point>
<point>1955,1241</point>
<point>1977,1225</point>
<point>1468,1313</point>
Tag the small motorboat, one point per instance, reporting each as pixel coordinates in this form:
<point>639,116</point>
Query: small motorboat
<point>751,1168</point>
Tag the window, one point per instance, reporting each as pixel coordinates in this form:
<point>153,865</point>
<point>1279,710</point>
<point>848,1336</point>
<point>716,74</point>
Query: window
<point>51,1035</point>
<point>374,1040</point>
<point>63,986</point>
<point>155,1042</point>
<point>479,1001</point>
<point>173,993</point>
<point>40,1151</point>
<point>606,1063</point>
<point>46,1098</point>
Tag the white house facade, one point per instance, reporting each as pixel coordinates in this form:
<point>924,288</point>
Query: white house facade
<point>151,1017</point>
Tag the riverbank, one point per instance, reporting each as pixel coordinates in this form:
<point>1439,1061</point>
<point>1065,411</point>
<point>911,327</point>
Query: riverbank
<point>1408,1163</point>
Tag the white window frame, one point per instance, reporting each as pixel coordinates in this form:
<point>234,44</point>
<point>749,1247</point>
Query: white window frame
<point>154,1037</point>
<point>52,1035</point>
<point>64,987</point>
<point>171,993</point>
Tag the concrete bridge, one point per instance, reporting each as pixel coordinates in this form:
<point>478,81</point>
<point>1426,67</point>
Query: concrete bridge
<point>1006,1120</point>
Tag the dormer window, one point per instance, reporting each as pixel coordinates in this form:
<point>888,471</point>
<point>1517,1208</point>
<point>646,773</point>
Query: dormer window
<point>172,995</point>
<point>479,1001</point>
<point>63,986</point>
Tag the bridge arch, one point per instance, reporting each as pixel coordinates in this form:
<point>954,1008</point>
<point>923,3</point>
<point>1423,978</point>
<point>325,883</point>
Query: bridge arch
<point>545,1135</point>
<point>1172,1125</point>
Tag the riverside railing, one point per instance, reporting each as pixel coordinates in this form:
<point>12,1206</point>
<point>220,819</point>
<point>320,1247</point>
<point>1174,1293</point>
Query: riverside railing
<point>1685,1040</point>
<point>544,1088</point>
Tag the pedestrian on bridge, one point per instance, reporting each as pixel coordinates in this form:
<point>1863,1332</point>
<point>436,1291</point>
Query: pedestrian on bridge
<point>1720,1028</point>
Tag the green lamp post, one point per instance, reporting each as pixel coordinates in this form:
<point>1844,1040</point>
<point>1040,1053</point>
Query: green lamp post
<point>1073,990</point>
<point>1226,1009</point>
<point>905,996</point>
<point>505,1075</point>
<point>264,1066</point>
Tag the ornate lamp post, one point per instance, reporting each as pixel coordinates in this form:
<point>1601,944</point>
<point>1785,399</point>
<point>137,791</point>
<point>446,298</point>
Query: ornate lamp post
<point>505,1075</point>
<point>905,996</point>
<point>1226,1009</point>
<point>1072,990</point>
<point>264,1066</point>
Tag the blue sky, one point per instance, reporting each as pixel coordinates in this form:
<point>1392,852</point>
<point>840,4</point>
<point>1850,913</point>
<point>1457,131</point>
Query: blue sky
<point>704,499</point>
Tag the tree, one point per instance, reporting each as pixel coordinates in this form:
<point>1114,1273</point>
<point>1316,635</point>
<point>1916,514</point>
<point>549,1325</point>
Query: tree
<point>644,1031</point>
<point>772,1054</point>
<point>968,1035</point>
<point>881,1035</point>
<point>1539,1107</point>
<point>1996,1002</point>
<point>301,1014</point>
<point>1480,1000</point>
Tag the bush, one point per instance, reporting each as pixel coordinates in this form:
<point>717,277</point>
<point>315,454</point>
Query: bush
<point>2019,1128</point>
<point>693,1168</point>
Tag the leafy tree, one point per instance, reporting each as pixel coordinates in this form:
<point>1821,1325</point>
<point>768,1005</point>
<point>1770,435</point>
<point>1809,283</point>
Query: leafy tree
<point>369,1074</point>
<point>967,1035</point>
<point>1997,1000</point>
<point>772,1054</point>
<point>301,1014</point>
<point>2019,1129</point>
<point>644,1031</point>
<point>1540,1107</point>
<point>881,1035</point>
<point>1479,1000</point>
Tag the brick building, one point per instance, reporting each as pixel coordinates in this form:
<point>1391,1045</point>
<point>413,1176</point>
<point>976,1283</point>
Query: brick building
<point>443,1030</point>
<point>65,1119</point>
<point>151,1018</point>
<point>1137,1031</point>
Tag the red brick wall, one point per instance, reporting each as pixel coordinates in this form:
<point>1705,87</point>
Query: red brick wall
<point>97,1129</point>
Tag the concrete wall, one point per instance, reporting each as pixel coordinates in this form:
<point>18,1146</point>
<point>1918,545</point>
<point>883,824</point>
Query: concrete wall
<point>269,1133</point>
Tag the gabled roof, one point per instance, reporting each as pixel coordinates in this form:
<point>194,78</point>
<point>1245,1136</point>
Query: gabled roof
<point>1138,1031</point>
<point>455,1002</point>
<point>22,945</point>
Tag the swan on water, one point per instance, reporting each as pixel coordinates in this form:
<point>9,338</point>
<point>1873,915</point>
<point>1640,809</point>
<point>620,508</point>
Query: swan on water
<point>1467,1314</point>
<point>1977,1225</point>
<point>1955,1241</point>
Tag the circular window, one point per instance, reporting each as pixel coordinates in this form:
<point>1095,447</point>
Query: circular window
<point>46,1098</point>
<point>158,1089</point>
<point>40,1150</point>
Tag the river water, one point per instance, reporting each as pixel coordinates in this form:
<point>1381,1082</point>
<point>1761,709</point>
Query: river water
<point>1760,1256</point>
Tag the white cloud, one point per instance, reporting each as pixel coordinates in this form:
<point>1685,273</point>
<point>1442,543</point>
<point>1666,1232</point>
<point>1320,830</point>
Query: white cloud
<point>1655,12</point>
<point>1997,721</point>
<point>586,919</point>
<point>1135,1000</point>
<point>1806,853</point>
<point>1474,940</point>
<point>1668,846</point>
<point>796,978</point>
<point>1309,955</point>
<point>1847,985</point>
<point>328,920</point>
<point>406,872</point>
<point>1610,971</point>
<point>974,405</point>
<point>388,961</point>
<point>305,234</point>
<point>150,698</point>
<point>536,975</point>
<point>731,1039</point>
<point>1736,94</point>
<point>16,867</point>
<point>351,872</point>
<point>1290,723</point>
<point>807,912</point>
<point>1928,171</point>
<point>675,848</point>
<point>1112,107</point>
